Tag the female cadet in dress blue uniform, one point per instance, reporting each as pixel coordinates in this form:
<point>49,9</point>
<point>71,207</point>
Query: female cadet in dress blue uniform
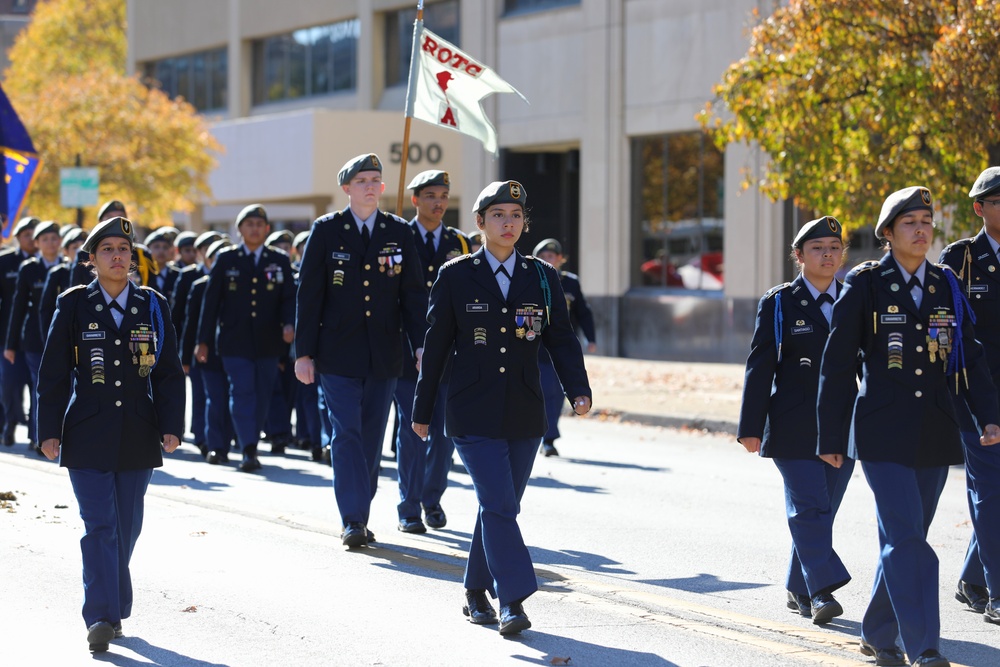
<point>580,317</point>
<point>494,308</point>
<point>778,415</point>
<point>975,261</point>
<point>110,392</point>
<point>913,328</point>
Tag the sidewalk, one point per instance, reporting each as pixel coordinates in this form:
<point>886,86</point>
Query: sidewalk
<point>667,393</point>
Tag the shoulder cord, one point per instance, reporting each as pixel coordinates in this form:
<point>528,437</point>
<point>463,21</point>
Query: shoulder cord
<point>962,308</point>
<point>778,319</point>
<point>546,290</point>
<point>464,244</point>
<point>156,319</point>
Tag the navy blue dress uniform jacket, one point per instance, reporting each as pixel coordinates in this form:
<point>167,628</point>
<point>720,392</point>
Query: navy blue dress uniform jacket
<point>352,303</point>
<point>24,331</point>
<point>779,398</point>
<point>453,244</point>
<point>189,334</point>
<point>495,390</point>
<point>246,307</point>
<point>92,396</point>
<point>10,262</point>
<point>579,310</point>
<point>61,277</point>
<point>904,411</point>
<point>180,293</point>
<point>978,270</point>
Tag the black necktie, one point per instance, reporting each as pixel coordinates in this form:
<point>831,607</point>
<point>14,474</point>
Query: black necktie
<point>824,298</point>
<point>365,235</point>
<point>429,239</point>
<point>502,269</point>
<point>114,305</point>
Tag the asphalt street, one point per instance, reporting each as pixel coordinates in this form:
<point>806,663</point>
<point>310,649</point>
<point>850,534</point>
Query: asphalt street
<point>653,546</point>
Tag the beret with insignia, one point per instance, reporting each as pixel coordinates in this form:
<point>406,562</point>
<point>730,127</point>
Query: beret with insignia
<point>354,166</point>
<point>988,183</point>
<point>284,236</point>
<point>426,179</point>
<point>501,192</point>
<point>914,198</point>
<point>111,209</point>
<point>73,236</point>
<point>550,245</point>
<point>825,227</point>
<point>253,210</point>
<point>213,250</point>
<point>47,227</point>
<point>185,239</point>
<point>23,224</point>
<point>300,239</point>
<point>206,239</point>
<point>157,236</point>
<point>117,226</point>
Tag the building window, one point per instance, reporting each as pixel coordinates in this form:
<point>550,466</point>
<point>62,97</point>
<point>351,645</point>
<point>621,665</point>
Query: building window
<point>200,78</point>
<point>520,6</point>
<point>441,18</point>
<point>677,211</point>
<point>308,62</point>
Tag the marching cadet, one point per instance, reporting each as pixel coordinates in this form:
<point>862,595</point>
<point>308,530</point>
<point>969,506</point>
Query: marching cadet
<point>64,275</point>
<point>185,252</point>
<point>161,247</point>
<point>312,424</point>
<point>423,465</point>
<point>360,284</point>
<point>475,241</point>
<point>216,425</point>
<point>975,262</point>
<point>110,394</point>
<point>278,426</point>
<point>580,315</point>
<point>248,310</point>
<point>14,377</point>
<point>913,327</point>
<point>490,311</point>
<point>778,415</point>
<point>24,329</point>
<point>281,239</point>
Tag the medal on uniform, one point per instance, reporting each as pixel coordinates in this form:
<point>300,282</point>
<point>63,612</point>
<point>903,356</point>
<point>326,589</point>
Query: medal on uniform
<point>381,264</point>
<point>519,332</point>
<point>398,263</point>
<point>141,340</point>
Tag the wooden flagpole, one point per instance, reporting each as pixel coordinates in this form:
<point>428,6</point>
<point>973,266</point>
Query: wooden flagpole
<point>406,132</point>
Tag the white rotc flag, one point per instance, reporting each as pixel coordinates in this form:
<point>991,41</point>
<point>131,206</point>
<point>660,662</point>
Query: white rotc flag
<point>446,87</point>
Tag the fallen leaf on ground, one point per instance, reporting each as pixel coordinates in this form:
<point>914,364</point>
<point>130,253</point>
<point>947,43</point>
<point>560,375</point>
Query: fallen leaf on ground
<point>62,507</point>
<point>190,610</point>
<point>199,533</point>
<point>7,495</point>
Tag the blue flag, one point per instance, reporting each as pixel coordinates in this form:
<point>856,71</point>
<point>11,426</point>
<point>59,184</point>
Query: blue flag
<point>20,164</point>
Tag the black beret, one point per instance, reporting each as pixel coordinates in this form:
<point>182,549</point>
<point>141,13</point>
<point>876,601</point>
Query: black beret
<point>185,239</point>
<point>117,226</point>
<point>23,224</point>
<point>206,239</point>
<point>426,179</point>
<point>169,232</point>
<point>73,236</point>
<point>66,229</point>
<point>157,236</point>
<point>354,166</point>
<point>550,245</point>
<point>987,183</point>
<point>47,227</point>
<point>914,198</point>
<point>216,246</point>
<point>825,227</point>
<point>501,192</point>
<point>253,210</point>
<point>283,236</point>
<point>300,239</point>
<point>475,237</point>
<point>113,206</point>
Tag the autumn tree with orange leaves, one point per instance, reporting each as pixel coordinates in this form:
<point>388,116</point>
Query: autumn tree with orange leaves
<point>67,81</point>
<point>854,99</point>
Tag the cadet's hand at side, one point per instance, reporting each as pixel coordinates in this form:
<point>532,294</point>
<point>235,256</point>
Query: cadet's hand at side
<point>836,460</point>
<point>288,333</point>
<point>170,443</point>
<point>418,355</point>
<point>752,445</point>
<point>305,371</point>
<point>9,355</point>
<point>201,352</point>
<point>51,448</point>
<point>991,435</point>
<point>420,429</point>
<point>581,405</point>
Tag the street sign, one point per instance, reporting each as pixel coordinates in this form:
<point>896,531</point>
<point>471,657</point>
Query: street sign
<point>78,186</point>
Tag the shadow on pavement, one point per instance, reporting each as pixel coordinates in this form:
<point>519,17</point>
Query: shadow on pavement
<point>552,483</point>
<point>582,653</point>
<point>614,464</point>
<point>971,653</point>
<point>154,655</point>
<point>703,583</point>
<point>162,478</point>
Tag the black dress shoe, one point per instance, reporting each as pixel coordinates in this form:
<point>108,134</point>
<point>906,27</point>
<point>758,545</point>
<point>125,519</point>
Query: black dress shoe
<point>884,657</point>
<point>992,612</point>
<point>412,525</point>
<point>931,658</point>
<point>549,449</point>
<point>317,454</point>
<point>327,457</point>
<point>217,458</point>
<point>278,445</point>
<point>478,608</point>
<point>355,535</point>
<point>98,636</point>
<point>973,596</point>
<point>435,517</point>
<point>824,608</point>
<point>202,448</point>
<point>513,619</point>
<point>250,464</point>
<point>799,603</point>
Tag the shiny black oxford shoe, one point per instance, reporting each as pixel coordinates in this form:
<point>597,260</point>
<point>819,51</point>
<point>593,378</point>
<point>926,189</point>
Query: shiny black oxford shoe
<point>513,619</point>
<point>478,608</point>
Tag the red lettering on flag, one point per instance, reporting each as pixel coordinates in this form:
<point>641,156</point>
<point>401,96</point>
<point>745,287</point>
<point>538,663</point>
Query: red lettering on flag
<point>449,118</point>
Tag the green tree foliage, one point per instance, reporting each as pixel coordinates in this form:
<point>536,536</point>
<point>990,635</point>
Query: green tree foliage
<point>67,81</point>
<point>854,99</point>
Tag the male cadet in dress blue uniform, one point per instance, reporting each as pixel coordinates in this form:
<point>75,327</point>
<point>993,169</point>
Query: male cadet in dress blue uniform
<point>423,465</point>
<point>360,284</point>
<point>975,261</point>
<point>162,248</point>
<point>278,426</point>
<point>185,252</point>
<point>64,275</point>
<point>214,432</point>
<point>249,310</point>
<point>24,329</point>
<point>312,427</point>
<point>13,376</point>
